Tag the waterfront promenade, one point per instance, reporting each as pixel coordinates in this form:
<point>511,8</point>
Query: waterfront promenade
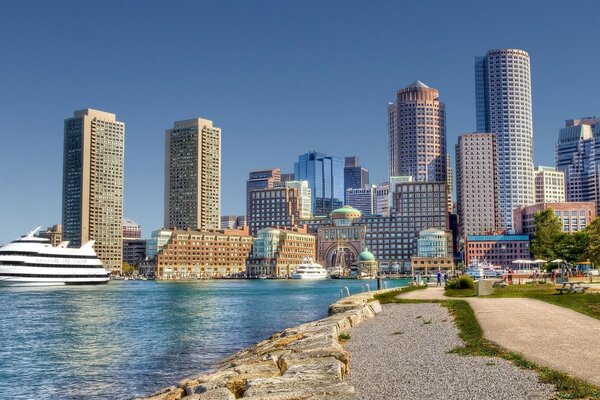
<point>550,335</point>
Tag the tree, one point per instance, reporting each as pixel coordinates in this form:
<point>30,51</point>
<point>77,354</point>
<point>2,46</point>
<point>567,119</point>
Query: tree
<point>574,247</point>
<point>548,235</point>
<point>127,269</point>
<point>593,232</point>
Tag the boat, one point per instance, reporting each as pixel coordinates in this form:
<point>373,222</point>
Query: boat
<point>308,269</point>
<point>339,270</point>
<point>482,269</point>
<point>33,261</point>
<point>262,276</point>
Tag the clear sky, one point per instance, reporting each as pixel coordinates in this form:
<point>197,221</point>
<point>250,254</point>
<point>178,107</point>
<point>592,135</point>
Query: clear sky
<point>279,77</point>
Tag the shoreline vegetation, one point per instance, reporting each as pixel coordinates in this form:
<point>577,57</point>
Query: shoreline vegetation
<point>471,333</point>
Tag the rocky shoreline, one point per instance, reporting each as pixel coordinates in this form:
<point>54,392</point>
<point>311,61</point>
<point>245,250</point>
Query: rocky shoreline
<point>303,362</point>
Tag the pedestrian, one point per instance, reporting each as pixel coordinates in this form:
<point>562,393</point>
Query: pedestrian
<point>439,278</point>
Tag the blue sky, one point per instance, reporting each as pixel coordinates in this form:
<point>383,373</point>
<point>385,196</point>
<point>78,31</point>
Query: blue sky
<point>279,78</point>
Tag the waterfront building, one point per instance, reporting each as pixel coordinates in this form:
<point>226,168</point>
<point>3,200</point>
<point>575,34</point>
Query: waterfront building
<point>500,250</point>
<point>271,208</point>
<point>92,200</point>
<point>477,201</point>
<point>503,104</point>
<point>131,229</point>
<point>393,184</point>
<point>304,204</point>
<point>277,251</point>
<point>158,239</point>
<point>367,264</point>
<point>382,199</point>
<point>417,134</point>
<point>434,251</point>
<point>364,199</point>
<point>577,152</point>
<point>574,216</point>
<point>342,237</point>
<point>257,180</point>
<point>549,185</point>
<point>53,233</point>
<point>193,175</point>
<point>134,251</point>
<point>193,254</point>
<point>355,176</point>
<point>233,221</point>
<point>325,176</point>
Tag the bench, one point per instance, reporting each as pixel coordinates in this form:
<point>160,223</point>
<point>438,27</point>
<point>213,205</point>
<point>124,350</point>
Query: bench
<point>571,287</point>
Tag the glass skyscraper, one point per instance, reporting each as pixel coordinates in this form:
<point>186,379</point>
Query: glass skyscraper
<point>325,176</point>
<point>503,106</point>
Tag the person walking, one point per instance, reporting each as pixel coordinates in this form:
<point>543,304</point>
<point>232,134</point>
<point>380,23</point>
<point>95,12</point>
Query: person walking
<point>439,279</point>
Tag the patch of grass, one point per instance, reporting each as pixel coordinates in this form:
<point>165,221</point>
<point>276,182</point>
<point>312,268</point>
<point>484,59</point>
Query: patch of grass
<point>427,322</point>
<point>459,292</point>
<point>475,344</point>
<point>419,316</point>
<point>344,336</point>
<point>399,333</point>
<point>490,363</point>
<point>585,303</point>
<point>390,297</point>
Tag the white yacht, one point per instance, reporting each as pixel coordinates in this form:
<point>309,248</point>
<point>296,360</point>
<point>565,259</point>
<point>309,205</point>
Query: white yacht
<point>308,269</point>
<point>33,261</point>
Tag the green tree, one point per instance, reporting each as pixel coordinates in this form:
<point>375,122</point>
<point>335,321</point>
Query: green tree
<point>127,269</point>
<point>593,232</point>
<point>573,247</point>
<point>548,235</point>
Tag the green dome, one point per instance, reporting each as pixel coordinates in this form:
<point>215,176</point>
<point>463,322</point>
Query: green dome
<point>366,255</point>
<point>346,212</point>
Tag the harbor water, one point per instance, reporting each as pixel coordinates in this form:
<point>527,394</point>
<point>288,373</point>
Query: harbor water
<point>130,338</point>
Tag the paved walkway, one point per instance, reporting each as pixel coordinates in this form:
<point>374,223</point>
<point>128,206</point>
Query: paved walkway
<point>549,335</point>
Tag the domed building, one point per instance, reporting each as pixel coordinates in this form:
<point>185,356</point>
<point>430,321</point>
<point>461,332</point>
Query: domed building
<point>367,264</point>
<point>339,243</point>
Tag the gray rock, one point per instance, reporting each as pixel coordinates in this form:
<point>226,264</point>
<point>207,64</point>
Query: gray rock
<point>216,394</point>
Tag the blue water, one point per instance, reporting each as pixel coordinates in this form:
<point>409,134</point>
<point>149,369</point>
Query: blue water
<point>131,338</point>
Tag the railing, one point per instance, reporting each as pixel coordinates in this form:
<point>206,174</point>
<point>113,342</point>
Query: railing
<point>366,285</point>
<point>346,294</point>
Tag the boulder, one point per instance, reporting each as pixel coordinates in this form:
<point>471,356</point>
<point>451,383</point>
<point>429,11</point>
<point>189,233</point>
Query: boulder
<point>216,394</point>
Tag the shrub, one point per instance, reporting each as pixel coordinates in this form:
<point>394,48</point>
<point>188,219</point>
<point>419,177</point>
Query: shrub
<point>463,282</point>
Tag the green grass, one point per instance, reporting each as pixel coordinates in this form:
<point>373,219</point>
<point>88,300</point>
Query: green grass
<point>475,345</point>
<point>459,292</point>
<point>585,303</point>
<point>390,297</point>
<point>344,336</point>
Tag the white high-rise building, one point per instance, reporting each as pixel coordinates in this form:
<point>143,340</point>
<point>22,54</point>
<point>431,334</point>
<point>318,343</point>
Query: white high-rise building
<point>193,175</point>
<point>304,197</point>
<point>549,185</point>
<point>503,100</point>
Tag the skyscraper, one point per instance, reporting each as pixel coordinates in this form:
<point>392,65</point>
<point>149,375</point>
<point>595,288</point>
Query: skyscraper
<point>92,201</point>
<point>417,134</point>
<point>476,184</point>
<point>355,176</point>
<point>193,175</point>
<point>325,176</point>
<point>261,179</point>
<point>549,185</point>
<point>503,102</point>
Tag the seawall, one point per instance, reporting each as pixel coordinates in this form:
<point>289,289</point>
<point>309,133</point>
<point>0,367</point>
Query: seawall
<point>303,362</point>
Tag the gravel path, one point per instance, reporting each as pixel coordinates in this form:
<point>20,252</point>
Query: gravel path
<point>403,354</point>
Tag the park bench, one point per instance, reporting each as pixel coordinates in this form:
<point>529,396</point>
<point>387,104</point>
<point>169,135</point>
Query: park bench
<point>571,287</point>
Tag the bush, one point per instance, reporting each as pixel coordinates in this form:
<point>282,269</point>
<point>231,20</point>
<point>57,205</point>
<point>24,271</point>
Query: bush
<point>463,282</point>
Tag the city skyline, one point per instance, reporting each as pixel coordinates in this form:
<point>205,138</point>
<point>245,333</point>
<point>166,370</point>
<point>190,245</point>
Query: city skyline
<point>151,100</point>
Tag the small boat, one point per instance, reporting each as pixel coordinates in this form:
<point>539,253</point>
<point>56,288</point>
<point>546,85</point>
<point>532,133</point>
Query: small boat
<point>309,270</point>
<point>262,276</point>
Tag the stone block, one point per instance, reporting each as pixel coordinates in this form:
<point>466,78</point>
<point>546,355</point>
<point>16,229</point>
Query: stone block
<point>216,394</point>
<point>314,368</point>
<point>375,306</point>
<point>296,389</point>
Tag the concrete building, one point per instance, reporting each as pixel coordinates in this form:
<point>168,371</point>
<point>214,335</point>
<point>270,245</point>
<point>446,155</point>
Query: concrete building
<point>355,176</point>
<point>277,252</point>
<point>575,216</point>
<point>193,175</point>
<point>577,152</point>
<point>304,194</point>
<point>276,207</point>
<point>382,199</point>
<point>341,238</point>
<point>92,201</point>
<point>288,177</point>
<point>325,176</point>
<point>503,103</point>
<point>364,199</point>
<point>134,251</point>
<point>233,221</point>
<point>192,254</point>
<point>257,180</point>
<point>549,185</point>
<point>477,200</point>
<point>131,229</point>
<point>157,241</point>
<point>54,233</point>
<point>417,134</point>
<point>499,250</point>
<point>434,252</point>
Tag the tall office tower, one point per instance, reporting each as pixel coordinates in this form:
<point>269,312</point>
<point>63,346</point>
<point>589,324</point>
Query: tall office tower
<point>304,196</point>
<point>577,150</point>
<point>92,206</point>
<point>549,185</point>
<point>325,176</point>
<point>193,175</point>
<point>417,134</point>
<point>364,200</point>
<point>476,184</point>
<point>273,208</point>
<point>261,179</point>
<point>382,199</point>
<point>355,176</point>
<point>288,177</point>
<point>503,101</point>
